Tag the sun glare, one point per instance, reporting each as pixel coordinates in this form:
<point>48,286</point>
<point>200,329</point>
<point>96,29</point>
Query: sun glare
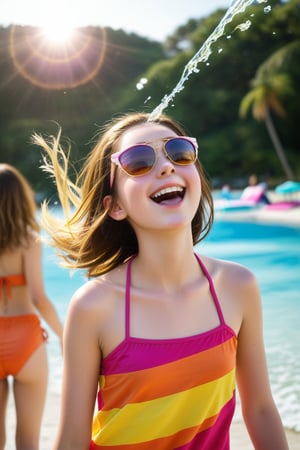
<point>58,34</point>
<point>57,54</point>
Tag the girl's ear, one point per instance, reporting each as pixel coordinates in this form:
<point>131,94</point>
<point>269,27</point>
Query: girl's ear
<point>116,212</point>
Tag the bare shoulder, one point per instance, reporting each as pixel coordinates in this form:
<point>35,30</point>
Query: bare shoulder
<point>34,238</point>
<point>229,271</point>
<point>99,304</point>
<point>93,294</point>
<point>34,243</point>
<point>237,290</point>
<point>97,309</point>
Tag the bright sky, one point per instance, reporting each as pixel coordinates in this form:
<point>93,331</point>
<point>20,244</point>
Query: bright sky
<point>153,19</point>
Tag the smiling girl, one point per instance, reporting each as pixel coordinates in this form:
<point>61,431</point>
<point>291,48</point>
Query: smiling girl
<point>162,332</point>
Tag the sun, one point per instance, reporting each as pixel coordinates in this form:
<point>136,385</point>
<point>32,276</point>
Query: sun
<point>57,57</point>
<point>57,33</point>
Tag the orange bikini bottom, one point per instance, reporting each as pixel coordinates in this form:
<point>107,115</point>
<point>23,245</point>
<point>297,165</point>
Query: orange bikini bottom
<point>20,336</point>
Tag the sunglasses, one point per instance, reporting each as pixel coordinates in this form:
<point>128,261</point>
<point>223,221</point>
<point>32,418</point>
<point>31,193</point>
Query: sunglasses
<point>140,159</point>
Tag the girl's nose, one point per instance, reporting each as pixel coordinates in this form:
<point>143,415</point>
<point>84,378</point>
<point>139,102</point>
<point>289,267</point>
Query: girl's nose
<point>165,165</point>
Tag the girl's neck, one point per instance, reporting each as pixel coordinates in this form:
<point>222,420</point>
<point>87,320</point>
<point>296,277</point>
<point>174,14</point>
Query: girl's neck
<point>168,264</point>
<point>165,243</point>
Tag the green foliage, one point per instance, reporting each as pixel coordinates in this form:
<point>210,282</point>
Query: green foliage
<point>208,106</point>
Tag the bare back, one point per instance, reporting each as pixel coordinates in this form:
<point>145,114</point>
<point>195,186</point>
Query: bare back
<point>16,300</point>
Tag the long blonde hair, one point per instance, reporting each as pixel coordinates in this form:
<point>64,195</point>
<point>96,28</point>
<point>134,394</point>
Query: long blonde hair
<point>17,209</point>
<point>89,238</point>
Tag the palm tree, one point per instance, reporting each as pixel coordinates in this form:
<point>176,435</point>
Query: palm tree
<point>264,97</point>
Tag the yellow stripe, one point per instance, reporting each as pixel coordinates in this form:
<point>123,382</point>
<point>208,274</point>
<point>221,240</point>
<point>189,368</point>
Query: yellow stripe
<point>133,424</point>
<point>118,389</point>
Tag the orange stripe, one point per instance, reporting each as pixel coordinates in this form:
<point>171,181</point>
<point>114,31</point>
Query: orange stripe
<point>163,416</point>
<point>178,439</point>
<point>169,378</point>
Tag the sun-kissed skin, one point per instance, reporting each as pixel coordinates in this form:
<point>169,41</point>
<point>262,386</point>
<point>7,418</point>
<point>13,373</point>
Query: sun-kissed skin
<point>169,298</point>
<point>30,384</point>
<point>20,302</point>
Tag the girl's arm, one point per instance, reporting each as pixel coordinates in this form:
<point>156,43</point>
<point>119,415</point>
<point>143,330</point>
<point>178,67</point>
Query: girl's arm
<point>82,359</point>
<point>34,277</point>
<point>258,407</point>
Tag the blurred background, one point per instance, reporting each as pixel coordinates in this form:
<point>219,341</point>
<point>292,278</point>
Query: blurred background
<point>243,105</point>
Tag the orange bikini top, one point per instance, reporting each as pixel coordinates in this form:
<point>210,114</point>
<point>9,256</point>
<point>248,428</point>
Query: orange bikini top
<point>8,281</point>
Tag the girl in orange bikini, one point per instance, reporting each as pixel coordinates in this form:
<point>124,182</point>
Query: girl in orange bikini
<point>22,295</point>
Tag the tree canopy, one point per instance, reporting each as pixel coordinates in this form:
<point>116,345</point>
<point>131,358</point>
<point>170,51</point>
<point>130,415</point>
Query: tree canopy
<point>208,107</point>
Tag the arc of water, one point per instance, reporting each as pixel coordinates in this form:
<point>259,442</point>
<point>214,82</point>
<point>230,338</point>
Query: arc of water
<point>237,6</point>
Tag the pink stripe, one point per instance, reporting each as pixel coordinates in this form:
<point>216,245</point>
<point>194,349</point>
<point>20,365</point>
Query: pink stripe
<point>212,289</point>
<point>138,354</point>
<point>216,437</point>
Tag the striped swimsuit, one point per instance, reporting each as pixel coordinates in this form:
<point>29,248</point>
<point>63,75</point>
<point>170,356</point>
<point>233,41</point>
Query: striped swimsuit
<point>168,394</point>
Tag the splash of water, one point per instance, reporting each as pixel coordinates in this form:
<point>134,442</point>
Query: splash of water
<point>236,7</point>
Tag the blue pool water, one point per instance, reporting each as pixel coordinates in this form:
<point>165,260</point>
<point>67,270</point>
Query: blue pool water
<point>273,254</point>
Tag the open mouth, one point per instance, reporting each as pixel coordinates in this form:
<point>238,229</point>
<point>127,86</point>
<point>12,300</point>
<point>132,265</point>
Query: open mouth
<point>169,193</point>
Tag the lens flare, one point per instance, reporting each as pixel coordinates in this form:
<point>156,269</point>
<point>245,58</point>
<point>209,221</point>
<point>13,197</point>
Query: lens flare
<point>58,34</point>
<point>62,64</point>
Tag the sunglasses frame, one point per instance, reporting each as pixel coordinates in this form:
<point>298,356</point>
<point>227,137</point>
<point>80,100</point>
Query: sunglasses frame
<point>115,157</point>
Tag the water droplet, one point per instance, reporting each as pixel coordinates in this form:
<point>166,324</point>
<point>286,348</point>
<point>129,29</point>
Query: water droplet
<point>220,50</point>
<point>147,99</point>
<point>267,9</point>
<point>204,52</point>
<point>207,64</point>
<point>244,26</point>
<point>274,32</point>
<point>140,85</point>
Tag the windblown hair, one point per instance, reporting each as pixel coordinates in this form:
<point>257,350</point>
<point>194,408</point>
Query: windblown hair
<point>89,238</point>
<point>17,209</point>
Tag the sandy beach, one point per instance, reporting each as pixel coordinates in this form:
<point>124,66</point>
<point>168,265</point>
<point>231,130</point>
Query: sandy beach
<point>239,436</point>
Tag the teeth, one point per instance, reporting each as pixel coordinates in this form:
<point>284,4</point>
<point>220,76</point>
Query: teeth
<point>168,190</point>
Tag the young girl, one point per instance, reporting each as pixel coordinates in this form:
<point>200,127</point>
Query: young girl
<point>22,340</point>
<point>164,331</point>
